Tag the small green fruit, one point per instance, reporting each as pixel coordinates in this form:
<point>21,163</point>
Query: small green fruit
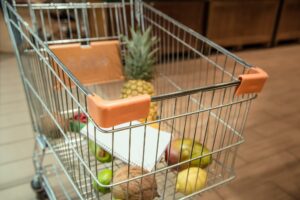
<point>104,177</point>
<point>100,154</point>
<point>75,125</point>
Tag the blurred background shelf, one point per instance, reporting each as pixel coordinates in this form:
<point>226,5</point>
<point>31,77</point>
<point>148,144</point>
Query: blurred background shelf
<point>190,13</point>
<point>289,21</point>
<point>237,23</point>
<point>241,22</point>
<point>229,23</point>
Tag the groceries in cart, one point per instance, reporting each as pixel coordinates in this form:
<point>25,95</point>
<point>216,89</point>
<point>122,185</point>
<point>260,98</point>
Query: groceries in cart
<point>142,147</point>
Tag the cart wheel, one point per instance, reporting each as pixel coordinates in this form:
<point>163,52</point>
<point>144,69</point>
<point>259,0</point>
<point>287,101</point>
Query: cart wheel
<point>38,188</point>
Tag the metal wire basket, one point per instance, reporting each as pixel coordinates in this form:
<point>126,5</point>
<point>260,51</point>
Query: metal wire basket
<point>203,93</point>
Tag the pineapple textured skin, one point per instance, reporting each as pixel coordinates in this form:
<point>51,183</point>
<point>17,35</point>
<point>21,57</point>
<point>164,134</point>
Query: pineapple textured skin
<point>139,87</point>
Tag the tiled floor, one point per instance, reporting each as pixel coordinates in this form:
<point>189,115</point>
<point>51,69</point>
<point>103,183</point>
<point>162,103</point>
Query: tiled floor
<point>16,136</point>
<point>268,163</point>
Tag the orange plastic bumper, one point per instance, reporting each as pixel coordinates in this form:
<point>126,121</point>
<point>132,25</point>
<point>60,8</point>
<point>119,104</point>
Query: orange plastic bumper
<point>110,113</point>
<point>252,82</point>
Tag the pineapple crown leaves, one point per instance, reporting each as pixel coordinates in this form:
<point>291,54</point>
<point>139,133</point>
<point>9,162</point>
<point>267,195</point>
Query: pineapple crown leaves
<point>140,55</point>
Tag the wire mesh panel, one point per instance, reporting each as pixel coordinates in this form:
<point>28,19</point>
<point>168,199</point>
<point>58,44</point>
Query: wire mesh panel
<point>195,82</point>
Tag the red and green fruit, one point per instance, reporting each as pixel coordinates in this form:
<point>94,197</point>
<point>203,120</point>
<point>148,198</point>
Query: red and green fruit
<point>104,177</point>
<point>78,122</point>
<point>100,154</point>
<point>187,151</point>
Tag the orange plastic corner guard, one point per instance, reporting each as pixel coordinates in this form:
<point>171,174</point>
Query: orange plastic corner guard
<point>252,82</point>
<point>110,113</point>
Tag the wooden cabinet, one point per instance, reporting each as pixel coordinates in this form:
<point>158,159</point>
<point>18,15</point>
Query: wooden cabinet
<point>189,13</point>
<point>289,22</point>
<point>241,22</point>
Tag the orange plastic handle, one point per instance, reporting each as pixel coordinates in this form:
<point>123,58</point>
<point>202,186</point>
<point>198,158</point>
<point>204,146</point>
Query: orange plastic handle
<point>110,113</point>
<point>252,82</point>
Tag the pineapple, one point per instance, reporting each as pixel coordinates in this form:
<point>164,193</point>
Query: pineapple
<point>139,62</point>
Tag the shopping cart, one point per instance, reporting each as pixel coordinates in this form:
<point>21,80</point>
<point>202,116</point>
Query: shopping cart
<point>203,93</point>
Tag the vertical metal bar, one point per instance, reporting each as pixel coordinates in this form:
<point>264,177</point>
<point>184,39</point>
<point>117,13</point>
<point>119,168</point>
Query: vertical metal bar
<point>169,147</point>
<point>248,105</point>
<point>59,24</point>
<point>69,24</point>
<point>112,21</point>
<point>73,116</point>
<point>183,137</point>
<point>86,24</point>
<point>88,148</point>
<point>137,12</point>
<point>205,138</point>
<point>142,21</point>
<point>129,156</point>
<point>95,21</point>
<point>77,24</point>
<point>132,13</point>
<point>117,21</point>
<point>112,154</point>
<point>43,25</point>
<point>125,17</point>
<point>105,22</point>
<point>120,20</point>
<point>18,58</point>
<point>50,25</point>
<point>33,18</point>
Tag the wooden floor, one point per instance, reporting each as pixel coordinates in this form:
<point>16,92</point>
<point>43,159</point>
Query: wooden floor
<point>268,164</point>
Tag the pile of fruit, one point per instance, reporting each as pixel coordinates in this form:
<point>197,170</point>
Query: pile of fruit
<point>191,176</point>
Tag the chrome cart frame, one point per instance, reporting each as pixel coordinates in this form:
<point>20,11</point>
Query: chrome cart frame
<point>203,92</point>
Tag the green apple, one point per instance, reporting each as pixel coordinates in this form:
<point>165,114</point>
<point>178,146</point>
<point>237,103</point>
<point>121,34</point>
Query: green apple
<point>104,177</point>
<point>100,154</point>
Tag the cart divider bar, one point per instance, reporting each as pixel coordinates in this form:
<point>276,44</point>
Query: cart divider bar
<point>46,6</point>
<point>175,116</point>
<point>182,92</point>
